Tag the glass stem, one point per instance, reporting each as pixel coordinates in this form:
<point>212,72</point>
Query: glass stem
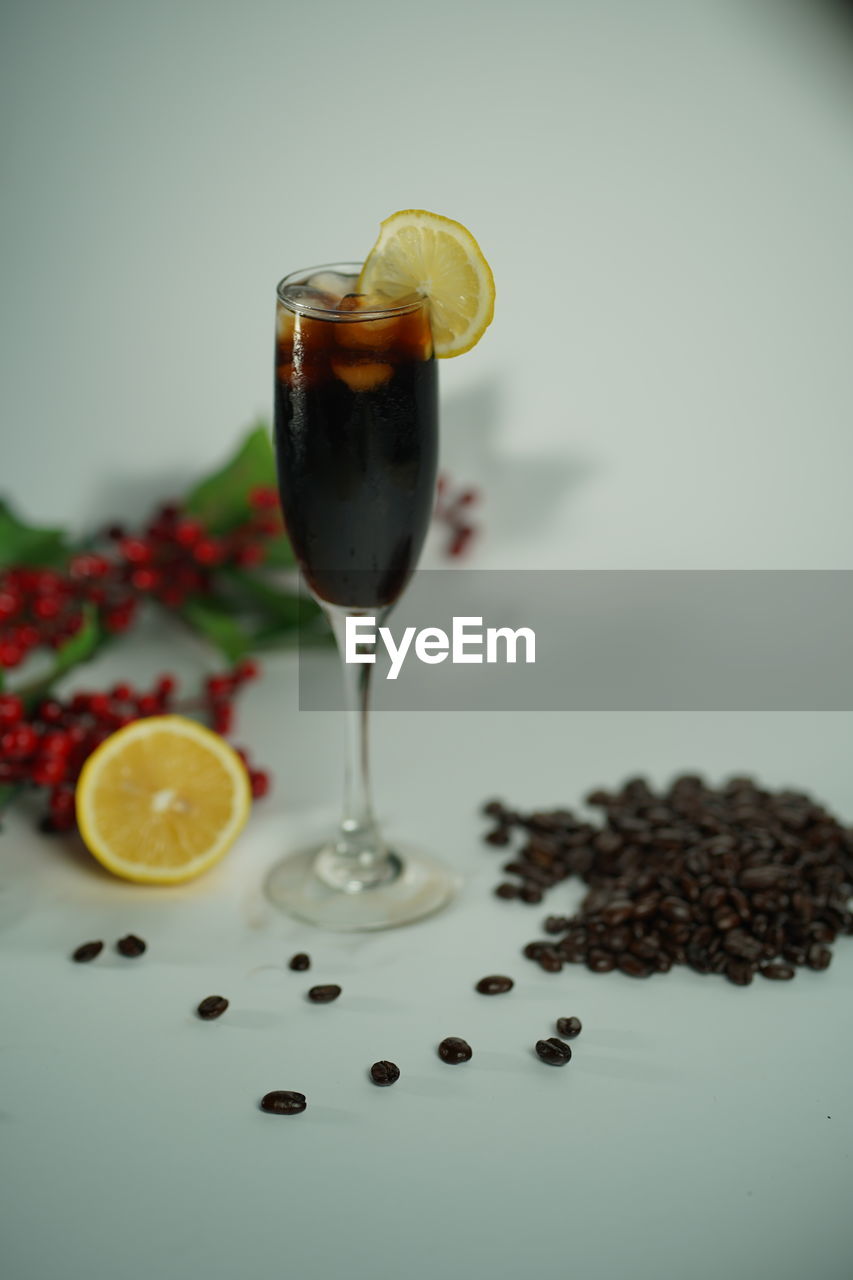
<point>359,857</point>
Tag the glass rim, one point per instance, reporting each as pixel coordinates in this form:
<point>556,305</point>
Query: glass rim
<point>327,313</point>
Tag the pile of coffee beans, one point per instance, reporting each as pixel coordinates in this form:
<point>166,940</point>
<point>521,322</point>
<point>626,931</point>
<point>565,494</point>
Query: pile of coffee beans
<point>736,880</point>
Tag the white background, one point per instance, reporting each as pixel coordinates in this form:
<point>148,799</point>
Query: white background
<point>665,192</point>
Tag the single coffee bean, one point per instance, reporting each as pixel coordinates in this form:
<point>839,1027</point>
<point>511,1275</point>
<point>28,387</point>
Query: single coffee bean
<point>818,957</point>
<point>494,985</point>
<point>633,966</point>
<point>739,972</point>
<point>325,994</point>
<point>212,1007</point>
<point>454,1050</point>
<point>384,1073</point>
<point>283,1102</point>
<point>780,972</point>
<point>553,1051</point>
<point>569,1027</point>
<point>300,961</point>
<point>530,893</point>
<point>506,890</point>
<point>87,951</point>
<point>499,836</point>
<point>130,946</point>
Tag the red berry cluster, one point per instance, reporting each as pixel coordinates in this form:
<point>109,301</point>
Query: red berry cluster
<point>48,745</point>
<point>37,607</point>
<point>452,508</point>
<point>172,559</point>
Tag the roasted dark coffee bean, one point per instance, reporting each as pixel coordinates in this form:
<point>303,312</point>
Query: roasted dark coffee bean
<point>87,951</point>
<point>633,966</point>
<point>453,1050</point>
<point>778,972</point>
<point>530,893</point>
<point>499,836</point>
<point>600,961</point>
<point>818,957</point>
<point>533,950</point>
<point>617,912</point>
<point>300,962</point>
<point>384,1073</point>
<point>325,994</point>
<point>495,985</point>
<point>763,876</point>
<point>569,1027</point>
<point>556,924</point>
<point>506,890</point>
<point>726,918</point>
<point>212,1007</point>
<point>675,909</point>
<point>553,1051</point>
<point>283,1102</point>
<point>550,960</point>
<point>494,809</point>
<point>739,972</point>
<point>743,945</point>
<point>130,946</point>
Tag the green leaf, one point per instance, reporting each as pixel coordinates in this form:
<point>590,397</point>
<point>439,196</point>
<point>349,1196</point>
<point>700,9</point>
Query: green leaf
<point>278,553</point>
<point>7,795</point>
<point>218,626</point>
<point>222,500</point>
<point>256,593</point>
<point>22,543</point>
<point>310,628</point>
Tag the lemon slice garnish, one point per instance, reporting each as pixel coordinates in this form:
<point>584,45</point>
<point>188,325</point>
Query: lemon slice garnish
<point>421,252</point>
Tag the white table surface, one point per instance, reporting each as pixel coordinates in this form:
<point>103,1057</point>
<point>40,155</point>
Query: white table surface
<point>666,195</point>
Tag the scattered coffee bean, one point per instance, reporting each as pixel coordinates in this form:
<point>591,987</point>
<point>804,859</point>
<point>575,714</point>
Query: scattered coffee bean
<point>212,1007</point>
<point>553,1051</point>
<point>87,951</point>
<point>454,1050</point>
<point>494,985</point>
<point>384,1073</point>
<point>733,880</point>
<point>325,994</point>
<point>283,1102</point>
<point>569,1027</point>
<point>130,946</point>
<point>300,961</point>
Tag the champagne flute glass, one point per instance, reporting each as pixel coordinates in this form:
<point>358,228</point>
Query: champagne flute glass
<point>356,428</point>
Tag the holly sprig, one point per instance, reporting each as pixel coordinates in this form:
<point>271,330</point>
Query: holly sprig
<point>212,558</point>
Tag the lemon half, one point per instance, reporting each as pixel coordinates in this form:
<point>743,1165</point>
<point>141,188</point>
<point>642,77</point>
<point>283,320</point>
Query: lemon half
<point>162,799</point>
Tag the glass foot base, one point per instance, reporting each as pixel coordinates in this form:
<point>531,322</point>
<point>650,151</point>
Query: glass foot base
<point>422,886</point>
